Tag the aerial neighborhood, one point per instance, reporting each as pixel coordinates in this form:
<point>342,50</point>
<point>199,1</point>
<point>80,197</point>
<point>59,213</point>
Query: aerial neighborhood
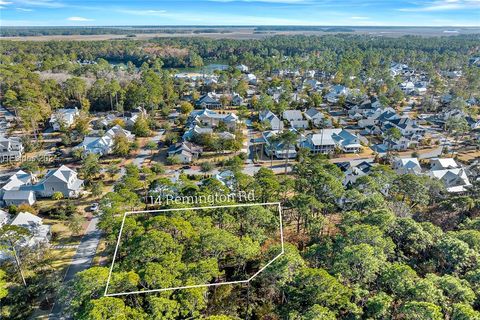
<point>392,133</point>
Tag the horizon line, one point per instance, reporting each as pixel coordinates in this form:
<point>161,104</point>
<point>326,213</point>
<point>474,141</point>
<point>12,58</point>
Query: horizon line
<point>238,26</point>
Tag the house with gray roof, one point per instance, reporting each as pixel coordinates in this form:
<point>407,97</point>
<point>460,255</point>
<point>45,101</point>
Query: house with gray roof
<point>271,119</point>
<point>62,180</point>
<point>18,197</point>
<point>407,166</point>
<point>295,118</point>
<point>185,151</point>
<point>10,193</point>
<point>103,145</point>
<point>274,147</point>
<point>212,118</point>
<point>207,101</point>
<point>11,149</point>
<point>327,140</point>
<point>38,232</point>
<point>63,117</point>
<point>316,118</point>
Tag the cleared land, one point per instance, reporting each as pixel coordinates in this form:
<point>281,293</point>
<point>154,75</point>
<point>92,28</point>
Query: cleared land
<point>254,33</point>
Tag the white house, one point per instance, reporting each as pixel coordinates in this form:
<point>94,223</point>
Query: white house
<point>328,139</point>
<point>316,117</point>
<point>103,145</point>
<point>277,148</point>
<point>295,118</point>
<point>38,232</point>
<point>18,197</point>
<point>63,117</point>
<point>335,93</point>
<point>407,165</point>
<point>271,119</point>
<point>11,149</point>
<point>450,173</point>
<point>455,180</point>
<point>185,151</point>
<point>354,170</point>
<point>63,180</point>
<point>212,119</point>
<point>251,78</point>
<point>4,218</point>
<point>443,163</point>
<point>10,193</point>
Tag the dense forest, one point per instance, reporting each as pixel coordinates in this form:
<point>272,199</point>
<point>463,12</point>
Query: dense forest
<point>386,257</point>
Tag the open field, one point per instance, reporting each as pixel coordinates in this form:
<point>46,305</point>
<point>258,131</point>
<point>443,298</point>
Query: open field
<point>249,33</point>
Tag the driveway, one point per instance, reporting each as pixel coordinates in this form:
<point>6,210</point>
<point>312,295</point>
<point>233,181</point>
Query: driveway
<point>144,153</point>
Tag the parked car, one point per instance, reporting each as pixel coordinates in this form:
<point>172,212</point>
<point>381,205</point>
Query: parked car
<point>94,207</point>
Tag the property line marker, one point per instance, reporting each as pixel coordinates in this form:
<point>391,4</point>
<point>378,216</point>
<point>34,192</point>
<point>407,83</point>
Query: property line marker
<point>106,294</point>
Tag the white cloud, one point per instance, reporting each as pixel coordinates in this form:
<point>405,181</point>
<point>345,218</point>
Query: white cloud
<point>24,9</point>
<point>4,2</point>
<point>359,18</point>
<point>78,19</point>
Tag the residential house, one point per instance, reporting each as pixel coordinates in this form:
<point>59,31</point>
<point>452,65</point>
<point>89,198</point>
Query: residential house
<point>103,145</point>
<point>251,78</point>
<point>420,88</point>
<point>195,131</point>
<point>327,140</point>
<point>271,119</point>
<point>227,178</point>
<point>295,118</point>
<point>38,232</point>
<point>131,117</point>
<point>208,102</point>
<point>354,170</point>
<point>335,93</point>
<point>407,166</point>
<point>316,118</point>
<point>4,218</point>
<point>237,100</point>
<point>443,164</point>
<point>278,149</point>
<point>18,197</point>
<point>63,117</point>
<point>63,180</point>
<point>212,119</point>
<point>10,192</point>
<point>242,68</point>
<point>11,149</point>
<point>407,87</point>
<point>185,151</point>
<point>450,173</point>
<point>312,84</point>
<point>366,109</point>
<point>407,126</point>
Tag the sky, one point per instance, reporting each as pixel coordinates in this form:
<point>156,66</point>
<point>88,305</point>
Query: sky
<point>240,12</point>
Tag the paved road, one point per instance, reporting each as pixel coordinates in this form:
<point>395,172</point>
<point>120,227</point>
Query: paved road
<point>87,248</point>
<point>81,260</point>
